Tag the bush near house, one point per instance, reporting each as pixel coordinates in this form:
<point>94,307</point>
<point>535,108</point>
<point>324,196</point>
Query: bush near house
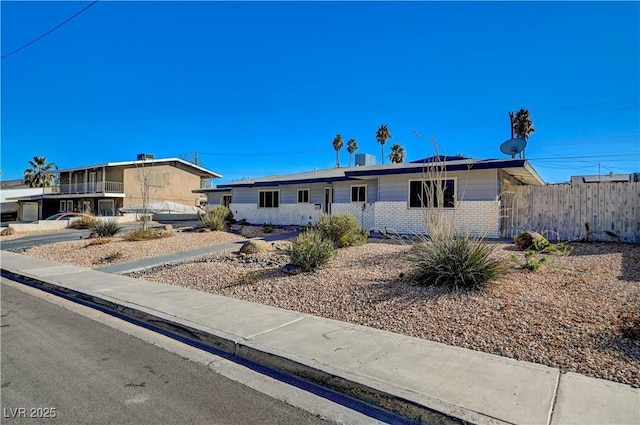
<point>311,250</point>
<point>216,218</point>
<point>343,229</point>
<point>454,261</point>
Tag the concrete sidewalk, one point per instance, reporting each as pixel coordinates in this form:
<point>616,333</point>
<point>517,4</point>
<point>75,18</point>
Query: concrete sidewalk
<point>425,381</point>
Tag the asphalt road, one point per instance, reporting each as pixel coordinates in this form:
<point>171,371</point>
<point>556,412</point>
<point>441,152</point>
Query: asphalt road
<point>56,362</point>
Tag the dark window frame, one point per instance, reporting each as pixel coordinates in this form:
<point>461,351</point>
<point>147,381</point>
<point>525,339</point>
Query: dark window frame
<point>306,196</point>
<point>269,199</point>
<point>360,192</point>
<point>418,200</point>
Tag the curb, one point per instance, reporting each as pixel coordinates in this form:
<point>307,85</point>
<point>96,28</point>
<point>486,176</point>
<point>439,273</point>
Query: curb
<point>371,393</point>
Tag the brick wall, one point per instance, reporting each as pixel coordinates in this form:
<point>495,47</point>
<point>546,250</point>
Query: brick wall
<point>476,217</point>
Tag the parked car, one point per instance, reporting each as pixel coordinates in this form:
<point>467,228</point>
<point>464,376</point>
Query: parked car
<point>66,216</point>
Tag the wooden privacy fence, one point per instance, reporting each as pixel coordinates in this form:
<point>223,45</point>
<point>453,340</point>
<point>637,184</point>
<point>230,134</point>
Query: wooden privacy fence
<point>604,211</point>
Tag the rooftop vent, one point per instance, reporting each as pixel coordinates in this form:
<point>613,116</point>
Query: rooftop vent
<point>143,156</point>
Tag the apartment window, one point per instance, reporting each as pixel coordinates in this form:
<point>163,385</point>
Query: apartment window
<point>269,199</point>
<point>359,193</point>
<point>425,193</point>
<point>63,206</point>
<point>155,178</point>
<point>303,196</point>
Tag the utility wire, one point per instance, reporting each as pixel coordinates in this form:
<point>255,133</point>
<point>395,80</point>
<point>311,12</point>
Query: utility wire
<point>48,32</point>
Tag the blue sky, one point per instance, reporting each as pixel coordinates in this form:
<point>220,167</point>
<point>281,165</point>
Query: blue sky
<point>262,88</point>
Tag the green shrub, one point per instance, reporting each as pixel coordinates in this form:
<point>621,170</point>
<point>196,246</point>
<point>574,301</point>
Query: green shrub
<point>267,228</point>
<point>454,261</point>
<point>343,229</point>
<point>106,228</point>
<point>216,218</point>
<point>83,222</point>
<point>310,250</point>
<point>146,235</point>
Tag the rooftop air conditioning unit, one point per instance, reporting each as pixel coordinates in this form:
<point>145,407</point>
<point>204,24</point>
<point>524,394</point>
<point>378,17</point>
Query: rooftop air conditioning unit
<point>143,156</point>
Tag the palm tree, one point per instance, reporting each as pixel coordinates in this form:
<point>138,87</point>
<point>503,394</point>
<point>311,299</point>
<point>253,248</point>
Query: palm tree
<point>352,146</point>
<point>382,135</point>
<point>397,154</point>
<point>39,175</point>
<point>337,145</point>
<point>522,124</point>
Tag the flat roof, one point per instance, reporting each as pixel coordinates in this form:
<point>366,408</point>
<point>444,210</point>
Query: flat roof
<point>519,168</point>
<point>203,171</point>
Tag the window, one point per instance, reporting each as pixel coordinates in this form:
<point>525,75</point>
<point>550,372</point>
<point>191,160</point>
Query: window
<point>63,205</point>
<point>226,200</point>
<point>269,199</point>
<point>155,178</point>
<point>303,196</point>
<point>358,193</point>
<point>106,207</point>
<point>424,194</point>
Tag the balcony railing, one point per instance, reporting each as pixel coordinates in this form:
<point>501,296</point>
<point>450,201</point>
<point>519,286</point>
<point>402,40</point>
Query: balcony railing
<point>88,187</point>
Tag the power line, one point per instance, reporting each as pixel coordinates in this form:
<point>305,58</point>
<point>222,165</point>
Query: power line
<point>48,32</point>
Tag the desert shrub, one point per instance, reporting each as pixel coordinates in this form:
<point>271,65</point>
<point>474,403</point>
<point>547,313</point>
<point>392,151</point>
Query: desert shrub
<point>83,222</point>
<point>267,228</point>
<point>98,241</point>
<point>343,229</point>
<point>146,235</point>
<point>531,261</point>
<point>311,250</point>
<point>454,261</point>
<point>106,228</point>
<point>306,227</point>
<point>216,218</point>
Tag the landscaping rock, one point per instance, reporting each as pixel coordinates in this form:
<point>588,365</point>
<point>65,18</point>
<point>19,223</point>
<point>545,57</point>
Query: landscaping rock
<point>93,235</point>
<point>203,230</point>
<point>168,227</point>
<point>7,231</point>
<point>253,247</point>
<point>531,240</point>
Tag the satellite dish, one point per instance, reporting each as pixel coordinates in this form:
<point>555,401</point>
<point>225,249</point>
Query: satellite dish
<point>513,147</point>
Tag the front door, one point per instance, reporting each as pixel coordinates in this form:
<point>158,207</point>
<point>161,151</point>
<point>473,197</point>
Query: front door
<point>328,199</point>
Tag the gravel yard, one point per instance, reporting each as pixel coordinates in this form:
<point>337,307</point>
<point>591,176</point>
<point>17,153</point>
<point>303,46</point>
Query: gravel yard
<point>564,315</point>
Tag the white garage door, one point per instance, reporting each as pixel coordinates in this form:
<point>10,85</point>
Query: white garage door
<point>30,211</point>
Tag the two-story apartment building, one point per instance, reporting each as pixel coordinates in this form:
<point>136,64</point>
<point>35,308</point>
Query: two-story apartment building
<point>103,189</point>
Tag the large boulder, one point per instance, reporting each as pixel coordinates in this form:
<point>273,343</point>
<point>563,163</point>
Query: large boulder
<point>531,240</point>
<point>255,246</point>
